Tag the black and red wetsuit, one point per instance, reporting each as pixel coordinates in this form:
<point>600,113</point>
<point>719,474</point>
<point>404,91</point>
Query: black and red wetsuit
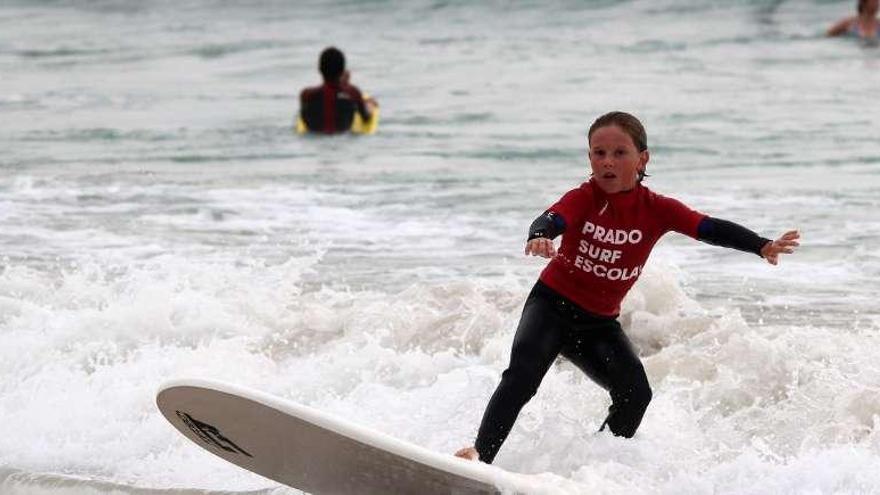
<point>572,310</point>
<point>330,108</point>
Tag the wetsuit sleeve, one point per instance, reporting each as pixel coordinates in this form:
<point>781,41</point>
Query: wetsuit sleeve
<point>548,225</point>
<point>361,106</point>
<point>310,108</point>
<point>731,235</point>
<point>303,99</point>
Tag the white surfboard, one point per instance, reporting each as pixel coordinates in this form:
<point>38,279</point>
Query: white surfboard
<point>313,451</point>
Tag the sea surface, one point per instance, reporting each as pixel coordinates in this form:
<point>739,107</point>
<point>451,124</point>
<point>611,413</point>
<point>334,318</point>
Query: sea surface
<point>159,220</point>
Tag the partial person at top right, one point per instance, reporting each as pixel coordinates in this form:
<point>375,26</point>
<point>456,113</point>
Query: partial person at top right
<point>863,25</point>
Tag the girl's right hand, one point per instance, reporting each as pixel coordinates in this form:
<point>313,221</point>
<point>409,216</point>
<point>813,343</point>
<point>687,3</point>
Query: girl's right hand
<point>541,246</point>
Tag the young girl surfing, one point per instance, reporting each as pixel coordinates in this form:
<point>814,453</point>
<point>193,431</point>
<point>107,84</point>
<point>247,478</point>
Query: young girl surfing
<point>609,226</point>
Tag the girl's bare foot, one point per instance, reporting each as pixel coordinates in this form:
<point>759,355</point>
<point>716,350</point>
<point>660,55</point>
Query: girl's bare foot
<point>468,453</point>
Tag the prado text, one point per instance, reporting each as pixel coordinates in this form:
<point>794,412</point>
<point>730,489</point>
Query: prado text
<point>593,258</point>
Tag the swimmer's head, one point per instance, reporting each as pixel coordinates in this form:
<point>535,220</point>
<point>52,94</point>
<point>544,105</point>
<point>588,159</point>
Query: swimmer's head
<point>867,6</point>
<point>630,125</point>
<point>332,64</point>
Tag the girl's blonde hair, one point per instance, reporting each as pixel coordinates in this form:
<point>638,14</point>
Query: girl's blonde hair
<point>625,121</point>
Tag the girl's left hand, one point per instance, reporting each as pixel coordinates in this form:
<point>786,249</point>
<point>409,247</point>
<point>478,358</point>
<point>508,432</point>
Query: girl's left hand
<point>783,245</point>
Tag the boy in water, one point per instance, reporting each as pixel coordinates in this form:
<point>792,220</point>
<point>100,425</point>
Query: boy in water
<point>330,108</point>
<point>609,226</point>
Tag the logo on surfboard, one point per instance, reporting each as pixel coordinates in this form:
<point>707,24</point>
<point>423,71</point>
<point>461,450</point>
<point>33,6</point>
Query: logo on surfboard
<point>210,434</point>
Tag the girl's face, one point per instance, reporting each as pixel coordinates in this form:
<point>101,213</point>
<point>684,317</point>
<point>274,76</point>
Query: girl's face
<point>615,160</point>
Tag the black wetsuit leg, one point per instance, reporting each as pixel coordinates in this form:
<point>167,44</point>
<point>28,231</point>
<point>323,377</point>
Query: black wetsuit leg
<point>536,344</point>
<point>602,351</point>
<point>551,325</point>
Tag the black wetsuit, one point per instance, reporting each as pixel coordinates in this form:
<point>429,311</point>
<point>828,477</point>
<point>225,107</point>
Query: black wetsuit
<point>552,325</point>
<point>330,108</point>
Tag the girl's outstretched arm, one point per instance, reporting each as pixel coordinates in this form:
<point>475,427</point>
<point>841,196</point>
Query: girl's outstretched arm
<point>733,235</point>
<point>784,245</point>
<point>729,234</point>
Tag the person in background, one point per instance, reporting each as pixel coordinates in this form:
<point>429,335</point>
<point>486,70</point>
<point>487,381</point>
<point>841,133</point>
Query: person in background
<point>609,226</point>
<point>864,25</point>
<point>330,107</point>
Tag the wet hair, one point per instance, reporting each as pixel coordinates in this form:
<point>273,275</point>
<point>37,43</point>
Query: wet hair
<point>332,64</point>
<point>630,125</point>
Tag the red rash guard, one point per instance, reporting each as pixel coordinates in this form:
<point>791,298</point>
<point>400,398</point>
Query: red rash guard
<point>607,240</point>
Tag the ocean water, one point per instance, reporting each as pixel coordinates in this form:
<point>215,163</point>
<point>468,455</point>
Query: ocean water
<point>159,220</point>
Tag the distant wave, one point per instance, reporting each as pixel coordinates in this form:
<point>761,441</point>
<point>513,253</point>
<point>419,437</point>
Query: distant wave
<point>96,134</point>
<point>59,52</point>
<point>222,49</point>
